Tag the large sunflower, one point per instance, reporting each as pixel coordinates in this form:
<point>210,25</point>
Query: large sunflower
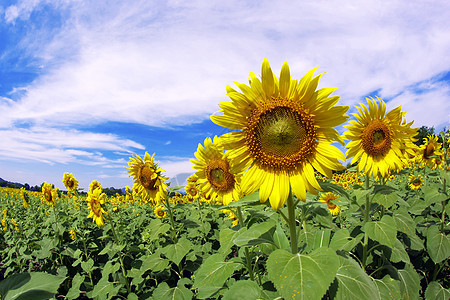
<point>284,128</point>
<point>148,181</point>
<point>216,174</point>
<point>430,147</point>
<point>95,200</point>
<point>378,139</point>
<point>70,182</point>
<point>49,194</point>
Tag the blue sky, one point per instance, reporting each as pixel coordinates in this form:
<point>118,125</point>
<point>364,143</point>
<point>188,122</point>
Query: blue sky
<point>85,84</point>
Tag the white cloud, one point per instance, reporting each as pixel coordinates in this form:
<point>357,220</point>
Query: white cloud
<point>51,145</point>
<point>163,64</point>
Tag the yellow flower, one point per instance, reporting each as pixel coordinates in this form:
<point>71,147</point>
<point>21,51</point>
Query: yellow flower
<point>192,179</point>
<point>148,181</point>
<point>232,216</point>
<point>284,128</point>
<point>415,182</point>
<point>216,175</point>
<point>95,200</point>
<point>429,148</point>
<point>49,194</point>
<point>70,182</point>
<point>328,198</point>
<point>160,211</point>
<point>94,184</point>
<point>73,235</point>
<point>377,138</point>
<point>5,212</point>
<point>15,224</point>
<point>4,225</point>
<point>192,191</point>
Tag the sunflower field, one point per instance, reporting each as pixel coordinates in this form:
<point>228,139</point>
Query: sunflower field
<point>270,212</point>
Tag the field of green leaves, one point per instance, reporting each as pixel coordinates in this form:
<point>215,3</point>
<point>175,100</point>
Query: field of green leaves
<point>56,251</point>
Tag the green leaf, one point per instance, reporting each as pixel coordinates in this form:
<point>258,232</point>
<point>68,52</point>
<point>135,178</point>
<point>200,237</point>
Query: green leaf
<point>157,229</point>
<point>176,252</point>
<point>249,288</point>
<point>254,233</point>
<point>322,238</point>
<point>387,200</point>
<point>383,231</point>
<point>163,291</point>
<point>154,262</point>
<point>438,245</point>
<point>280,238</point>
<point>212,274</point>
<point>35,285</point>
<point>409,283</point>
<point>404,222</point>
<point>87,265</point>
<point>103,287</point>
<point>399,253</point>
<point>383,189</point>
<point>252,199</point>
<point>74,291</point>
<point>436,291</point>
<point>353,282</point>
<point>332,187</point>
<point>388,288</point>
<point>226,238</point>
<point>342,240</point>
<point>302,276</point>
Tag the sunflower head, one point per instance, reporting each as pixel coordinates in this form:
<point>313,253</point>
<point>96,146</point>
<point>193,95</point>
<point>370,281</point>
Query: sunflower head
<point>94,184</point>
<point>49,194</point>
<point>70,182</point>
<point>148,180</point>
<point>217,177</point>
<point>415,182</point>
<point>378,140</point>
<point>95,200</point>
<point>328,198</point>
<point>160,211</point>
<point>284,128</point>
<point>430,148</point>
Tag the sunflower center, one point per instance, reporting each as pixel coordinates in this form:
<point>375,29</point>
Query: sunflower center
<point>145,178</point>
<point>281,134</point>
<point>95,206</point>
<point>376,138</point>
<point>429,151</point>
<point>70,183</point>
<point>417,182</point>
<point>219,176</point>
<point>48,196</point>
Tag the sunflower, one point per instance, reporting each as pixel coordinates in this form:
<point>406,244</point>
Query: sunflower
<point>95,199</point>
<point>73,235</point>
<point>283,130</point>
<point>26,199</point>
<point>4,224</point>
<point>193,191</point>
<point>160,211</point>
<point>49,194</point>
<point>428,149</point>
<point>415,182</point>
<point>217,177</point>
<point>328,198</point>
<point>70,182</point>
<point>148,181</point>
<point>232,216</point>
<point>377,139</point>
<point>94,184</point>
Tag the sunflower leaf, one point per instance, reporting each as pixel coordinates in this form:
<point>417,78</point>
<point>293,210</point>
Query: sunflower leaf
<point>304,276</point>
<point>383,231</point>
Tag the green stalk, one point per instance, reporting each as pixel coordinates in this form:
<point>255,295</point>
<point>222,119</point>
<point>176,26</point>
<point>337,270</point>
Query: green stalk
<point>247,253</point>
<point>292,224</point>
<point>444,187</point>
<point>172,222</point>
<point>121,259</point>
<point>59,235</point>
<point>87,257</point>
<point>366,219</point>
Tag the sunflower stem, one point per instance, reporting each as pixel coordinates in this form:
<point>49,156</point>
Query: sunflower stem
<point>172,222</point>
<point>247,253</point>
<point>366,219</point>
<point>59,235</point>
<point>292,223</point>
<point>443,205</point>
<point>121,259</point>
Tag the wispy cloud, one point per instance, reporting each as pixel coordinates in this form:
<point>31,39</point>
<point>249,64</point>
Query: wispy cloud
<point>167,63</point>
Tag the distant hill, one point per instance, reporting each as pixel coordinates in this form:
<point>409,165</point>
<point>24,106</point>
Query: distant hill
<point>16,185</point>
